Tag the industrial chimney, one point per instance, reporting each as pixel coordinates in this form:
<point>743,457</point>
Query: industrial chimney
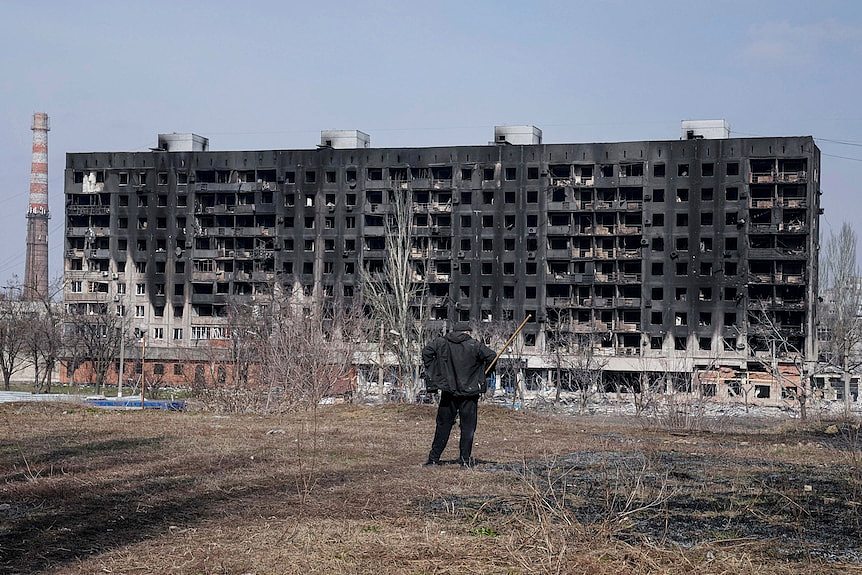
<point>36,265</point>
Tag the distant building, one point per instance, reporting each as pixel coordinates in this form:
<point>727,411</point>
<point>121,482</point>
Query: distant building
<point>672,257</point>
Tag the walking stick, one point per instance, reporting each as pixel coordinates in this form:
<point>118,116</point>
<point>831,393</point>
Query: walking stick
<point>508,343</point>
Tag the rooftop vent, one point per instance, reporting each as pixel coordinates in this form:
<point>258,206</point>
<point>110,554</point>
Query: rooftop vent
<point>344,139</point>
<point>175,142</point>
<point>705,129</point>
<point>517,135</point>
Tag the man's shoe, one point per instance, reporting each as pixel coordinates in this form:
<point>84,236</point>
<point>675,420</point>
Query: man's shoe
<point>432,462</point>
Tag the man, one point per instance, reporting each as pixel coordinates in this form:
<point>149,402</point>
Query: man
<point>455,365</point>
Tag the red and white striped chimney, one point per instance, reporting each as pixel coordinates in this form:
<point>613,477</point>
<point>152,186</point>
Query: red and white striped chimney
<point>36,265</point>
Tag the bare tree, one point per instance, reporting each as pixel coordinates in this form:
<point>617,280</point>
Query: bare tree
<point>573,350</point>
<point>771,345</point>
<point>841,293</point>
<point>43,341</point>
<point>93,340</point>
<point>397,295</point>
<point>309,354</point>
<point>13,328</point>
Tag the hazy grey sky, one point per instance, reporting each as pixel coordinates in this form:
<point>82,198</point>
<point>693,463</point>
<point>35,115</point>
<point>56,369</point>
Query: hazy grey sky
<point>253,75</point>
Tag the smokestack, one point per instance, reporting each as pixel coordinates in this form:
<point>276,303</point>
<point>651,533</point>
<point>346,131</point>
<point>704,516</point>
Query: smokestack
<point>36,266</point>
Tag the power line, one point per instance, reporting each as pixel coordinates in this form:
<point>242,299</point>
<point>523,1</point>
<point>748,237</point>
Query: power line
<point>842,157</point>
<point>844,142</point>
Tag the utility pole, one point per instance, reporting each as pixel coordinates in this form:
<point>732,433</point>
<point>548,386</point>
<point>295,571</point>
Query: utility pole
<point>121,372</point>
<point>143,366</point>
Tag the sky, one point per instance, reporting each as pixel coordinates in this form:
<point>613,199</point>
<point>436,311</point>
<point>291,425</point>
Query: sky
<point>264,75</point>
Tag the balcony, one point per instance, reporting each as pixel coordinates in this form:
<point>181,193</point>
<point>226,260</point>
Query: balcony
<point>599,230</point>
<point>220,232</point>
<point>796,279</point>
<point>603,254</point>
<point>440,208</point>
<point>438,277</point>
<point>606,278</point>
<point>763,227</point>
<point>88,210</point>
<point>628,230</point>
<point>761,178</point>
<point>792,177</point>
<point>761,278</point>
<point>627,351</point>
<point>627,302</point>
<point>761,203</point>
<point>626,327</point>
<point>792,227</point>
<point>793,202</point>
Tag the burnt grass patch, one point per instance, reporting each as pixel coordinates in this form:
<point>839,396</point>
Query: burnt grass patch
<point>800,511</point>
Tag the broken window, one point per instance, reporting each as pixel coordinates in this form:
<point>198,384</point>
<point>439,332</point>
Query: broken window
<point>466,173</point>
<point>682,220</point>
<point>682,195</point>
<point>441,172</point>
<point>658,220</point>
<point>632,170</point>
<point>607,170</point>
<point>532,173</point>
<point>511,174</point>
<point>732,169</point>
<point>658,171</point>
<point>682,170</point>
<point>487,174</point>
<point>706,218</point>
<point>707,169</point>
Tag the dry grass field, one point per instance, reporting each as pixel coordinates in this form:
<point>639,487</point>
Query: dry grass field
<point>88,491</point>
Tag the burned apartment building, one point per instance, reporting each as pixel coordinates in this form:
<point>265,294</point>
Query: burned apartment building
<point>673,258</point>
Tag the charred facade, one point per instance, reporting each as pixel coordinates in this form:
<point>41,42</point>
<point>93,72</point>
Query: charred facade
<point>672,256</point>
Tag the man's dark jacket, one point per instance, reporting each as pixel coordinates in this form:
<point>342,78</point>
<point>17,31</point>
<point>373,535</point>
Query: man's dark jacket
<point>456,363</point>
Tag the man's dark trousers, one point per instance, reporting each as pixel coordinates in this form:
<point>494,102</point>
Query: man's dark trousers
<point>466,407</point>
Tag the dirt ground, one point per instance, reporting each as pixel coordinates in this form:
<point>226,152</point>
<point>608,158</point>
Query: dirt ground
<point>89,491</point>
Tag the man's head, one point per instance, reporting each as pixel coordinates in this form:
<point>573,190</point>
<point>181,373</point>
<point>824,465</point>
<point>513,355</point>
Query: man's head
<point>462,326</point>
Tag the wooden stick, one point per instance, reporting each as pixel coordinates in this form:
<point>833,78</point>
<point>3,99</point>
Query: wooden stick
<point>508,343</point>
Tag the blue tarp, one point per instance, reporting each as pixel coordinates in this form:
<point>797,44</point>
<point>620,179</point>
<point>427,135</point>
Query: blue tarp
<point>133,403</point>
